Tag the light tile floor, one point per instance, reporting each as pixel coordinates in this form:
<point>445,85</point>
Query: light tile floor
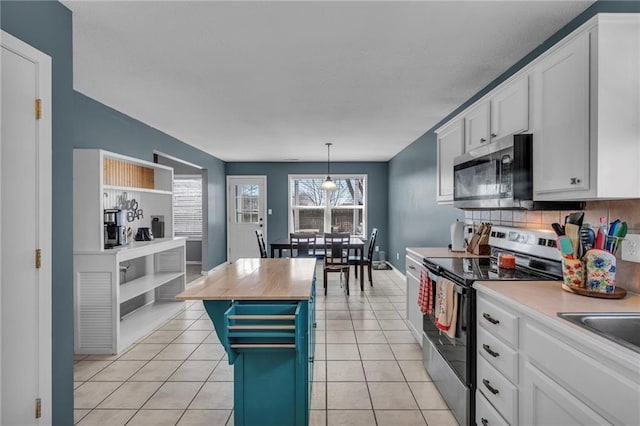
<point>368,369</point>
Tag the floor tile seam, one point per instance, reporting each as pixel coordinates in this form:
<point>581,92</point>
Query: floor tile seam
<point>132,374</point>
<point>81,418</point>
<point>103,399</point>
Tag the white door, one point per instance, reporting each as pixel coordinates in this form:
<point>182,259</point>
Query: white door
<point>246,212</point>
<point>25,190</point>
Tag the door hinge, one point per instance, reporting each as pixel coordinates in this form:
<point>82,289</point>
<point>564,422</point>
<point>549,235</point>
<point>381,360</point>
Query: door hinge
<point>38,408</point>
<point>38,258</point>
<point>38,109</point>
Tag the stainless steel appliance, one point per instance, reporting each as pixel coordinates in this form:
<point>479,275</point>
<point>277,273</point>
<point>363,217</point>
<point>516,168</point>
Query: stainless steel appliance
<point>144,234</point>
<point>500,176</point>
<point>115,230</point>
<point>451,362</point>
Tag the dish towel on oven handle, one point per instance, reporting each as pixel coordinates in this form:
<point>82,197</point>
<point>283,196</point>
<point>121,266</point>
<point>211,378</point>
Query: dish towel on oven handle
<point>425,293</point>
<point>446,309</point>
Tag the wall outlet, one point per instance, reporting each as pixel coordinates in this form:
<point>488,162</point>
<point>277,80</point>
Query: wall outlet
<point>631,248</point>
<point>397,256</point>
<point>377,248</point>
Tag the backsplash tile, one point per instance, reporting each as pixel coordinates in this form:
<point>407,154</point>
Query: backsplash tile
<point>628,273</point>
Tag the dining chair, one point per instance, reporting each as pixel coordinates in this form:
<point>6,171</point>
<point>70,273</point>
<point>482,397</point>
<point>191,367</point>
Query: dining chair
<point>302,244</point>
<point>368,260</point>
<point>261,244</point>
<point>336,257</point>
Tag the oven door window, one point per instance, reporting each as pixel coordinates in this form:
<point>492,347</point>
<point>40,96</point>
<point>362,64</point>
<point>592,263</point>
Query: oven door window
<point>477,179</point>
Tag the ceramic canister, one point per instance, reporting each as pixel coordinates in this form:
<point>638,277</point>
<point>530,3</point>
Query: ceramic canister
<point>601,271</point>
<point>573,272</point>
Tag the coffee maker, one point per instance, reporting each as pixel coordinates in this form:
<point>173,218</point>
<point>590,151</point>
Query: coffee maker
<point>115,230</point>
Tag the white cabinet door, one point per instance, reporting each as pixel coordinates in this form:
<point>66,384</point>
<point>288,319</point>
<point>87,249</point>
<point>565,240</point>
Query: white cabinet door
<point>414,315</point>
<point>476,127</point>
<point>544,402</point>
<point>450,144</point>
<point>561,120</point>
<point>510,109</point>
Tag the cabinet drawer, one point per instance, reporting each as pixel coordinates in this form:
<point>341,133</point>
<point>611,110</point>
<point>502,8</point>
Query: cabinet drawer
<point>414,267</point>
<point>498,390</point>
<point>498,321</point>
<point>486,415</point>
<point>499,354</point>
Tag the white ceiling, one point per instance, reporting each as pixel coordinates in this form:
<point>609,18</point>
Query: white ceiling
<point>274,81</point>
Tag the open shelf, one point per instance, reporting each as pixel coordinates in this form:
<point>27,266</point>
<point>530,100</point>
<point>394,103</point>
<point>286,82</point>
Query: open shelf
<point>145,283</point>
<point>142,321</point>
<point>136,189</point>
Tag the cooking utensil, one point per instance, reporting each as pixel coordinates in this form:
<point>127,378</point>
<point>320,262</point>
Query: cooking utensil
<point>575,218</point>
<point>613,230</point>
<point>587,237</point>
<point>558,228</point>
<point>572,231</point>
<point>565,246</point>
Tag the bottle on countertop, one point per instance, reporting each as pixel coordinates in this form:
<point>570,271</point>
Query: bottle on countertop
<point>601,236</point>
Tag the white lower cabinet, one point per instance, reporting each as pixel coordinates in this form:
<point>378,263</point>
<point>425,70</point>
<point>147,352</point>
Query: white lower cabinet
<point>533,370</point>
<point>486,415</point>
<point>545,402</point>
<point>414,315</point>
<point>124,293</point>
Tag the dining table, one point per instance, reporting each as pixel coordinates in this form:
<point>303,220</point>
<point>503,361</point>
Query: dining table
<point>356,244</point>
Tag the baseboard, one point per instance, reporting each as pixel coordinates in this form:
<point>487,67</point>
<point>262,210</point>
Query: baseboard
<point>396,270</point>
<point>193,262</point>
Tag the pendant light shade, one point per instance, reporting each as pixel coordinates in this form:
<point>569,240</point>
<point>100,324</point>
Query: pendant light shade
<point>328,184</point>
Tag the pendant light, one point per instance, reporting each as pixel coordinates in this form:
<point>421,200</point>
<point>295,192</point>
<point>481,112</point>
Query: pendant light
<point>328,184</point>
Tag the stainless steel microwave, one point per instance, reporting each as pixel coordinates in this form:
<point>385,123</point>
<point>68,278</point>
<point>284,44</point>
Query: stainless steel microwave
<point>499,175</point>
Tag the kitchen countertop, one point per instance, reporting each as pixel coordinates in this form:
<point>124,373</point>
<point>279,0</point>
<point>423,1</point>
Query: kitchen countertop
<point>256,279</point>
<point>544,299</point>
<point>439,252</point>
<point>548,298</point>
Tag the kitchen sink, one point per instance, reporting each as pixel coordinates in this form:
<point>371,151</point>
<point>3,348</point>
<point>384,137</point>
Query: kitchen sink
<point>620,327</point>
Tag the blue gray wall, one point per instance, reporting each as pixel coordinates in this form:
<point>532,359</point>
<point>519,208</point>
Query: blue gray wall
<point>98,126</point>
<point>82,122</point>
<point>415,219</point>
<point>277,191</point>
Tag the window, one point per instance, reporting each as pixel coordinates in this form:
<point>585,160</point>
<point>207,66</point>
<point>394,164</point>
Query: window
<point>187,206</point>
<point>246,203</point>
<point>313,209</point>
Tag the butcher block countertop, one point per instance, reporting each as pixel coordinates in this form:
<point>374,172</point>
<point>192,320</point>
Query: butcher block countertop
<point>256,279</point>
<point>438,252</point>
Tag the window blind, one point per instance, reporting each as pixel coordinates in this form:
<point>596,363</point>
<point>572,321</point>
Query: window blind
<point>187,206</point>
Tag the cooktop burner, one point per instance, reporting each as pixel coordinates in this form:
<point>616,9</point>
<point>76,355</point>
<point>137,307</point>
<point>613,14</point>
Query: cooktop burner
<point>483,269</point>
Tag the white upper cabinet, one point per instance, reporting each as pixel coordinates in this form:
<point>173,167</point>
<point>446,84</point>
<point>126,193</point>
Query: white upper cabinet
<point>586,114</point>
<point>504,113</point>
<point>476,123</point>
<point>561,111</point>
<point>450,144</point>
<point>510,109</point>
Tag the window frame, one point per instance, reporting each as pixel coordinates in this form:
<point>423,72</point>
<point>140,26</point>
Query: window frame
<point>173,201</point>
<point>328,207</point>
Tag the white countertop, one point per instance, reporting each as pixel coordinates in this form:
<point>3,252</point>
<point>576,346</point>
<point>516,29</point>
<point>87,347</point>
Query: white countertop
<point>438,252</point>
<point>544,299</point>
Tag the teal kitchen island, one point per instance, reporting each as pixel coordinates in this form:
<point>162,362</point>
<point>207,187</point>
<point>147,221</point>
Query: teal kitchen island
<point>263,312</point>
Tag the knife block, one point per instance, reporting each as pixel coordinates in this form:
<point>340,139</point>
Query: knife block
<point>480,249</point>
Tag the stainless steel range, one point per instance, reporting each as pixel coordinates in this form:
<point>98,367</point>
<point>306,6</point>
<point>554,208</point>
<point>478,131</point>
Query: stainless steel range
<point>451,361</point>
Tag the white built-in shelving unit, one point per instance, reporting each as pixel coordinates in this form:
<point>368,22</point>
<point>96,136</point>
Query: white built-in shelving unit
<point>122,294</point>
